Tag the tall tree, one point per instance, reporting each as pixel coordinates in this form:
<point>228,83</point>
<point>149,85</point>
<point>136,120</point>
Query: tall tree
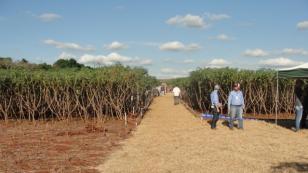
<point>67,63</point>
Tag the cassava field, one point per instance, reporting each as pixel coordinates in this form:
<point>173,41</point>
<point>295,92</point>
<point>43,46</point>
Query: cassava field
<point>68,119</point>
<point>85,120</point>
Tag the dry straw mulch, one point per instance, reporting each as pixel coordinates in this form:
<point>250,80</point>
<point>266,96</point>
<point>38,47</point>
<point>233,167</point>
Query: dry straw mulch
<point>170,139</point>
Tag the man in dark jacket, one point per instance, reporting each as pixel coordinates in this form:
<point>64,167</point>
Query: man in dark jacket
<point>305,105</point>
<point>216,106</point>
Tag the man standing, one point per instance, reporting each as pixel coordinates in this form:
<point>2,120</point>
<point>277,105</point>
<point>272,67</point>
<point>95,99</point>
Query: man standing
<point>216,106</point>
<point>298,103</point>
<point>176,95</point>
<point>236,106</point>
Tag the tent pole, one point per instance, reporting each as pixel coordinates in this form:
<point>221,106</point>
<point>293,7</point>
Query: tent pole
<point>277,97</point>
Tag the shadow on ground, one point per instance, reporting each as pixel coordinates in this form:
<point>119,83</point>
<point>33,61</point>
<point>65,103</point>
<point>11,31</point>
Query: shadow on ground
<point>289,124</point>
<point>291,167</point>
<point>224,123</point>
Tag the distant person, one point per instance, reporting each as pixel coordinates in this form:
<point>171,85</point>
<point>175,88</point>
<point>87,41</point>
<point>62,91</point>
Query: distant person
<point>305,106</point>
<point>156,91</point>
<point>298,91</point>
<point>158,88</point>
<point>236,106</point>
<point>216,106</point>
<point>162,90</point>
<point>176,95</point>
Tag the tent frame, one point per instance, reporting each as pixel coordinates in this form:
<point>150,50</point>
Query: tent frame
<point>277,97</point>
<point>297,72</point>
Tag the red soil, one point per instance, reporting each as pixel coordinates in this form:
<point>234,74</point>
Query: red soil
<point>58,146</point>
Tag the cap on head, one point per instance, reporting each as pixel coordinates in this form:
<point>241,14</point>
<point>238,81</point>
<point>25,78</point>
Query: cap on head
<point>216,87</point>
<point>236,85</point>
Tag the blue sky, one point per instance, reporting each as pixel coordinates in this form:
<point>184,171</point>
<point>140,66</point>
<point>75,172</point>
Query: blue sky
<point>169,38</point>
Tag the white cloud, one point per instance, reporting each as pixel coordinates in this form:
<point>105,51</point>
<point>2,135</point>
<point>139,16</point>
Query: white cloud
<point>111,59</point>
<point>49,17</point>
<point>303,25</point>
<point>116,46</point>
<point>103,60</point>
<point>279,62</point>
<point>223,37</point>
<point>178,46</point>
<point>255,53</point>
<point>173,73</point>
<point>70,46</point>
<point>172,46</point>
<point>189,20</point>
<point>217,63</point>
<point>216,17</point>
<point>65,55</point>
<point>292,51</point>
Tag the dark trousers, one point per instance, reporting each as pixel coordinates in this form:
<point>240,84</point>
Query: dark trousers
<point>215,117</point>
<point>304,118</point>
<point>176,100</point>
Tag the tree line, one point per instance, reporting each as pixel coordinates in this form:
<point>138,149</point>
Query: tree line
<point>9,63</point>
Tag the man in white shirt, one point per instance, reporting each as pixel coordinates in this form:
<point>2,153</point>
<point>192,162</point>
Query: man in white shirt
<point>176,95</point>
<point>236,105</point>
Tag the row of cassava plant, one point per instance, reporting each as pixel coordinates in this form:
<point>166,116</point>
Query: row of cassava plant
<point>69,93</point>
<point>259,88</point>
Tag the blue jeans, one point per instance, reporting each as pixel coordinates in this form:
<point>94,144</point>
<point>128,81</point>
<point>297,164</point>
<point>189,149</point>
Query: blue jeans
<point>298,116</point>
<point>236,111</point>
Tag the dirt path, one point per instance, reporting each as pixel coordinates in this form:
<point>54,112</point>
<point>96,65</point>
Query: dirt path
<point>170,139</point>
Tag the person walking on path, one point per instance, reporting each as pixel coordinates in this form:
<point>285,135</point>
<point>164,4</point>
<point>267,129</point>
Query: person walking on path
<point>162,90</point>
<point>298,103</point>
<point>216,106</point>
<point>176,95</point>
<point>236,105</point>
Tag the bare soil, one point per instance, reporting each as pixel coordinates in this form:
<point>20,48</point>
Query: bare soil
<point>56,146</point>
<point>171,139</point>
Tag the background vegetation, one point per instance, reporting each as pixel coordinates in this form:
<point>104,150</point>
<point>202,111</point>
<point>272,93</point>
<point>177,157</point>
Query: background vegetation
<point>259,88</point>
<point>68,89</point>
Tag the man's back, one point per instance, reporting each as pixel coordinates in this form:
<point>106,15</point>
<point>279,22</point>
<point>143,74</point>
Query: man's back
<point>176,91</point>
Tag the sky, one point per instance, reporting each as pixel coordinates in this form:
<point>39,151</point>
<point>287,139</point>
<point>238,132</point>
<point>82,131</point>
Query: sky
<point>169,38</point>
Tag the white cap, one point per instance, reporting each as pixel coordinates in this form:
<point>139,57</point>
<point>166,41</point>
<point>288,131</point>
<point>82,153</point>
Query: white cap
<point>216,87</point>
